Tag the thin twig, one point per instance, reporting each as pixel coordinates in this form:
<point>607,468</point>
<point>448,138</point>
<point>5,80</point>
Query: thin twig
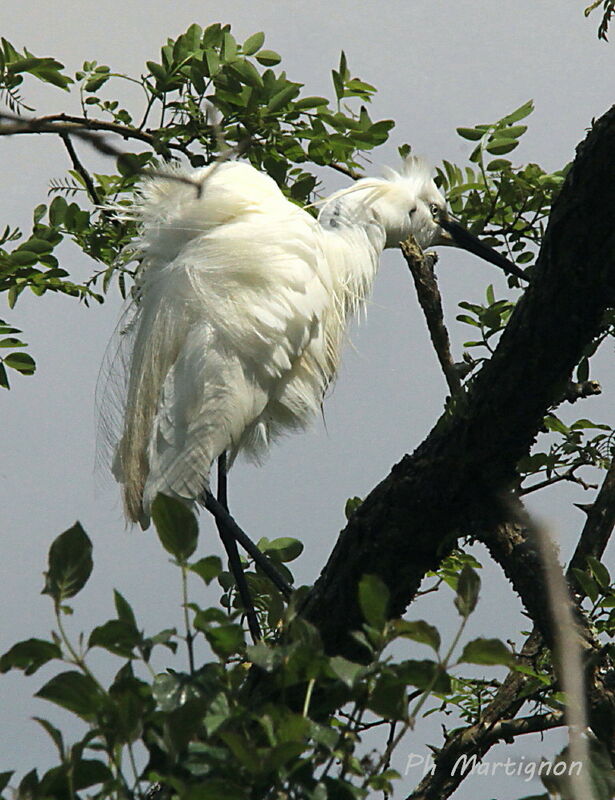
<point>564,476</point>
<point>350,173</point>
<point>79,168</point>
<point>189,634</point>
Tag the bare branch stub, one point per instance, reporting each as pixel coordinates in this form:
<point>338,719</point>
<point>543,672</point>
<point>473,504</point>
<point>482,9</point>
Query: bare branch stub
<point>577,391</point>
<point>421,266</point>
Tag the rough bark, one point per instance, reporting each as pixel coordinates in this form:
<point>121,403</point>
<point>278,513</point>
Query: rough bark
<point>477,739</point>
<point>451,484</point>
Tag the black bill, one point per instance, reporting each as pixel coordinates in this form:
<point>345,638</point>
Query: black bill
<point>468,241</point>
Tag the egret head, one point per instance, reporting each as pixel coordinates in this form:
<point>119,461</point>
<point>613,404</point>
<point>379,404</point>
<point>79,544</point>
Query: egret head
<point>409,202</point>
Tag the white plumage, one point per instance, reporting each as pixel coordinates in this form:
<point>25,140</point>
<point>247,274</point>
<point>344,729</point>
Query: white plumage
<point>240,312</point>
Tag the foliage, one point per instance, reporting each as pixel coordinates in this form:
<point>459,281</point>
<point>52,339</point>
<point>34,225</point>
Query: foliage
<point>508,205</point>
<point>608,8</point>
<point>20,362</point>
<point>280,718</point>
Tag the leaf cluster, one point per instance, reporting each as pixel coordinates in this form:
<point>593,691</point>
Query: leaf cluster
<point>14,65</point>
<point>258,720</point>
<point>20,362</point>
<point>507,205</point>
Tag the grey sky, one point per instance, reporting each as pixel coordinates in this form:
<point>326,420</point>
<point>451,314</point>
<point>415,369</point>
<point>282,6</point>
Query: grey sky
<point>437,65</point>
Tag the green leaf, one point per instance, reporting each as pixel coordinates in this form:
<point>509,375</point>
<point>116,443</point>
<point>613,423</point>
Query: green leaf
<point>418,631</point>
<point>75,692</point>
<point>246,72</point>
<point>207,568</point>
<point>514,131</point>
<point>268,58</point>
<point>128,164</point>
<point>468,320</point>
<point>374,600</point>
<point>226,640</point>
<point>57,211</point>
<point>23,258</point>
<point>553,423</point>
<point>11,341</point>
<point>253,43</point>
<point>282,98</point>
<point>486,651</point>
<point>282,753</point>
<point>89,772</point>
<point>599,571</point>
<point>21,362</point>
<point>228,51</point>
<point>468,589</point>
<point>587,584</point>
<point>284,548</point>
<point>388,697</point>
<point>158,71</point>
<point>424,675</point>
<point>520,113</point>
<point>54,734</point>
<point>264,656</point>
<point>116,636</point>
<point>346,671</point>
<point>124,609</point>
<point>212,61</point>
<point>498,164</point>
<point>583,370</point>
<point>243,750</point>
<point>351,506</point>
<point>167,691</point>
<point>470,133</point>
<point>501,145</point>
<point>311,102</point>
<point>28,787</point>
<point>70,564</point>
<point>29,655</point>
<point>176,526</point>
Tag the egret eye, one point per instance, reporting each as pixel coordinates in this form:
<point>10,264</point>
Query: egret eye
<point>435,210</point>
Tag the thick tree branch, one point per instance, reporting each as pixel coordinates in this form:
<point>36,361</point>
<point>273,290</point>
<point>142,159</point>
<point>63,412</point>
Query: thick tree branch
<point>476,740</point>
<point>470,744</point>
<point>79,126</point>
<point>413,518</point>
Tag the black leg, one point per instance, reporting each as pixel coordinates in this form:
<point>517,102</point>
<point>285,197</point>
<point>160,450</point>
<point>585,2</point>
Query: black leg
<point>225,520</point>
<point>230,545</point>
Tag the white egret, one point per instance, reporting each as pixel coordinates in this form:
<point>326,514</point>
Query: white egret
<point>241,309</point>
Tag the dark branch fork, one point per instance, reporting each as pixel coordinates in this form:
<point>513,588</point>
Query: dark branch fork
<point>454,482</point>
